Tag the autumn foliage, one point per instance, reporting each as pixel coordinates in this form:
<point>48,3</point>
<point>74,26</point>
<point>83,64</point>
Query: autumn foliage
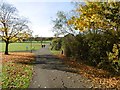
<point>98,40</point>
<point>17,70</point>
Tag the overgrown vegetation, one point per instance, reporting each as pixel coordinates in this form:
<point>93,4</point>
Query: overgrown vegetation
<point>93,50</point>
<point>56,44</point>
<point>98,42</point>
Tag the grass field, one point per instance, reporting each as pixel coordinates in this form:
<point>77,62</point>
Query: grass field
<point>24,46</point>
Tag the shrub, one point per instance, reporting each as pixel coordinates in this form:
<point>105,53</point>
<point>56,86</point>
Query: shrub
<point>114,59</point>
<point>56,44</point>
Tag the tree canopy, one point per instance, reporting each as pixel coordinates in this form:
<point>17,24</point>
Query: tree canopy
<point>12,26</point>
<point>99,39</point>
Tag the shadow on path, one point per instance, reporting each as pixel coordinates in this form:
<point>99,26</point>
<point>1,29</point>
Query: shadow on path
<point>51,62</point>
<point>51,72</point>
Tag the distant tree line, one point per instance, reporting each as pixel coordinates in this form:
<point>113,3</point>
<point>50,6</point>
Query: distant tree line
<point>38,39</point>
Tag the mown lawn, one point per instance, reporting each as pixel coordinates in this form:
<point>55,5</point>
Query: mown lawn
<point>24,46</point>
<point>17,69</point>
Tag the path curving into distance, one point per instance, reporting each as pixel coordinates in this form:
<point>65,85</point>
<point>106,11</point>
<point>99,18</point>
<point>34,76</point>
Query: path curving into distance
<point>50,72</point>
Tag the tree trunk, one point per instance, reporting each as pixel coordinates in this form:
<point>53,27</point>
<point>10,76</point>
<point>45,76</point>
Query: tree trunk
<point>6,48</point>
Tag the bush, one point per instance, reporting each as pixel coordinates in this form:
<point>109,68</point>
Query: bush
<point>67,45</point>
<point>56,44</point>
<point>114,59</point>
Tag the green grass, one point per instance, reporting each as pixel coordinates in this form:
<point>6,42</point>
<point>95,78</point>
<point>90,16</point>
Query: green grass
<point>15,78</point>
<point>55,52</point>
<point>22,46</point>
<point>18,73</point>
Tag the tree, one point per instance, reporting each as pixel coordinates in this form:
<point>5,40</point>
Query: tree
<point>12,27</point>
<point>101,21</point>
<point>98,17</point>
<point>37,38</point>
<point>60,24</point>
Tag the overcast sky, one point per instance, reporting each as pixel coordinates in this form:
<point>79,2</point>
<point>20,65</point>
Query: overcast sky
<point>41,12</point>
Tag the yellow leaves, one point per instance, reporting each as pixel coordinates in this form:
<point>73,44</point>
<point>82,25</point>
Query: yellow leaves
<point>2,29</point>
<point>96,19</point>
<point>113,23</point>
<point>27,35</point>
<point>14,39</point>
<point>88,15</point>
<point>71,21</point>
<point>107,12</point>
<point>24,35</point>
<point>114,55</point>
<point>95,15</point>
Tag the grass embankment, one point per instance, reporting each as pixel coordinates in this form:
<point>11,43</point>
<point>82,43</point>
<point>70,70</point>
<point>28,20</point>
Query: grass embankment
<point>17,69</point>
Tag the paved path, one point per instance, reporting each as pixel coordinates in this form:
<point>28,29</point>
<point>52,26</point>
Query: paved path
<point>50,72</point>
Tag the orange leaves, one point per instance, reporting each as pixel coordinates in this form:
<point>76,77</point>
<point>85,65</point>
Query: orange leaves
<point>16,70</point>
<point>17,56</point>
<point>98,76</point>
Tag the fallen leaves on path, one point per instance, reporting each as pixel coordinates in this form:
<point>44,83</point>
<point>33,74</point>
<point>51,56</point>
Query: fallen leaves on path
<point>99,77</point>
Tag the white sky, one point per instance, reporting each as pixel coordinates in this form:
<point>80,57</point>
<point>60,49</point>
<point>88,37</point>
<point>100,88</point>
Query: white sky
<point>41,12</point>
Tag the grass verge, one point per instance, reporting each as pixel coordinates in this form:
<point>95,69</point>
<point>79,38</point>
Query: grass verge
<point>17,69</point>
